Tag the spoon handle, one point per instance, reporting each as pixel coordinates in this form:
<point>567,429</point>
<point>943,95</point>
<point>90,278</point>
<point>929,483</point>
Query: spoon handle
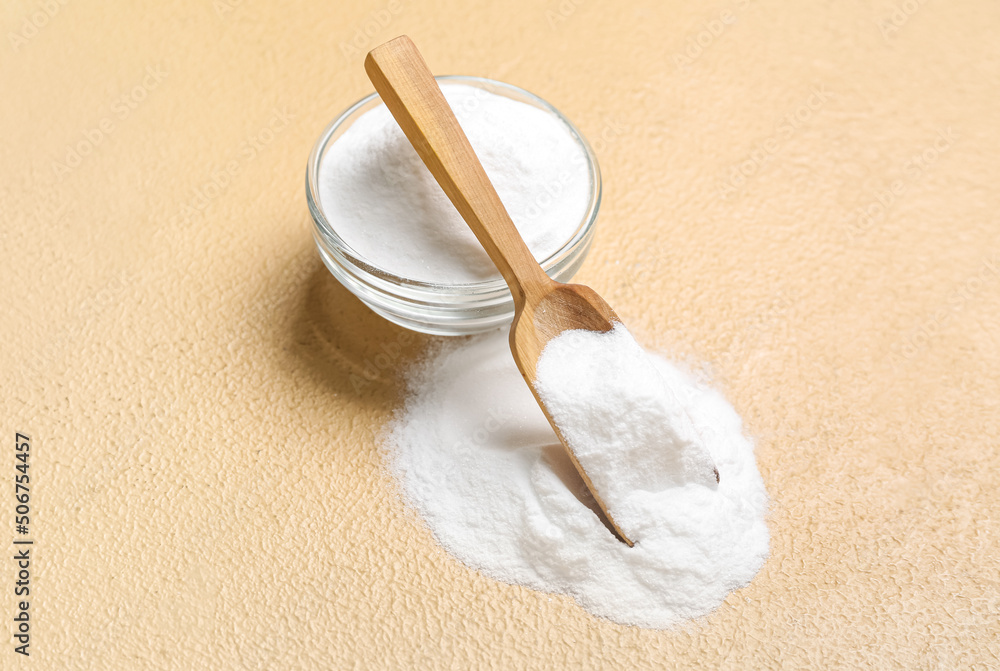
<point>414,98</point>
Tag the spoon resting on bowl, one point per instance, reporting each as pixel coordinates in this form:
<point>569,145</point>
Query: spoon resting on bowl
<point>543,307</point>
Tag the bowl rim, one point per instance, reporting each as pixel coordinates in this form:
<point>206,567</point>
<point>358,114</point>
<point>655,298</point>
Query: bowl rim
<point>342,249</point>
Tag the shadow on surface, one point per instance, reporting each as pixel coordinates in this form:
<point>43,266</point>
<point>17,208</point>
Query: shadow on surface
<point>344,346</point>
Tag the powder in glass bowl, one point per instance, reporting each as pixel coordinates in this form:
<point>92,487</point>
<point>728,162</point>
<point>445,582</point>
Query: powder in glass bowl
<point>382,201</point>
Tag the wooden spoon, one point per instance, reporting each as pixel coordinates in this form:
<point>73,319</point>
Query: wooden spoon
<point>543,308</point>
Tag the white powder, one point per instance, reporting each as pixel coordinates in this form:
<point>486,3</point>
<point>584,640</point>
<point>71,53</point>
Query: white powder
<point>381,199</point>
<point>477,459</point>
<point>626,426</point>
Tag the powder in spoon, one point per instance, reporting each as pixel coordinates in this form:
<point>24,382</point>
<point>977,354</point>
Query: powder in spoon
<point>625,425</point>
<point>475,456</point>
<point>383,202</point>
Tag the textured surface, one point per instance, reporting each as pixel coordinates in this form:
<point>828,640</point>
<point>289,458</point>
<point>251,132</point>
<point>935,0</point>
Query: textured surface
<point>208,488</point>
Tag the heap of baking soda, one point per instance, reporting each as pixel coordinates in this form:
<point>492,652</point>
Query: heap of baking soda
<point>475,456</point>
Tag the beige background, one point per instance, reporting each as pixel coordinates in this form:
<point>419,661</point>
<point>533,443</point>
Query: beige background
<point>208,488</point>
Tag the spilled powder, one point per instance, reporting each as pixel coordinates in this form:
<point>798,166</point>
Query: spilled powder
<point>476,458</point>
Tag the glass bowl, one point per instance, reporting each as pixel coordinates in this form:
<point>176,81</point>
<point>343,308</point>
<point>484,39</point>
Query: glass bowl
<point>440,309</point>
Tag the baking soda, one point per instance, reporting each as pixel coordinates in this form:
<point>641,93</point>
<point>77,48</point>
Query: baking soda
<point>476,458</point>
<point>625,424</point>
<point>383,202</point>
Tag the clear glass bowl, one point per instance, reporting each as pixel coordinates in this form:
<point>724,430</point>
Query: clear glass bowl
<point>440,309</point>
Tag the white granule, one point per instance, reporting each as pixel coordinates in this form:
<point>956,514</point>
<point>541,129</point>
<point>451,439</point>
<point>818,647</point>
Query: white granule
<point>476,458</point>
<point>383,202</point>
<point>626,426</point>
